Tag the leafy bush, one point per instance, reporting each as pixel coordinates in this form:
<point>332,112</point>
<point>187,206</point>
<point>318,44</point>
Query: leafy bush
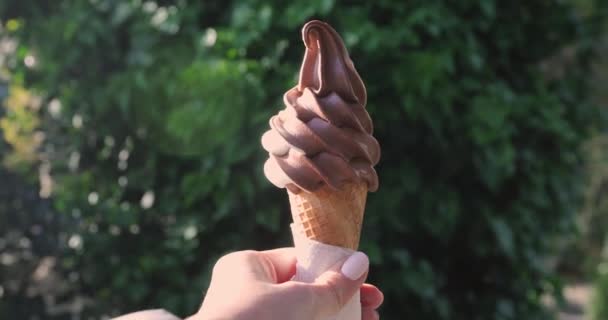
<point>598,308</point>
<point>152,113</point>
<point>595,214</point>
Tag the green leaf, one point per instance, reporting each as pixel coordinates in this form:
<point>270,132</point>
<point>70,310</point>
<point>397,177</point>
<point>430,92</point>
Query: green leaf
<point>504,236</point>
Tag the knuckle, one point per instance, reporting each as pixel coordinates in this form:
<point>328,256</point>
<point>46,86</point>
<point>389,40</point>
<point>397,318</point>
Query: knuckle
<point>232,259</point>
<point>333,288</point>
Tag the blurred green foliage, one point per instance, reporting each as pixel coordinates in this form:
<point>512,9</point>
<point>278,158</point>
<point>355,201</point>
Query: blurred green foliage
<point>599,308</point>
<point>595,214</point>
<point>152,113</point>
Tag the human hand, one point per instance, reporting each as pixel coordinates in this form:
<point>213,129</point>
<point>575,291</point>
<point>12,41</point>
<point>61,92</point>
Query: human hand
<point>256,285</point>
<point>157,314</point>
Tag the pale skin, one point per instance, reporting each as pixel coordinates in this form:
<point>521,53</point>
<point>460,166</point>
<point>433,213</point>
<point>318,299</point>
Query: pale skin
<point>256,285</point>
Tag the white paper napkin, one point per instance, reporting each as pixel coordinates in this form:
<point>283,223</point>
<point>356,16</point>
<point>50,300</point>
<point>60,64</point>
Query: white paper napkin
<point>314,258</point>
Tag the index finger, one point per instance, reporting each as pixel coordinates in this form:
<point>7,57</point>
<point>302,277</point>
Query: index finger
<point>282,263</point>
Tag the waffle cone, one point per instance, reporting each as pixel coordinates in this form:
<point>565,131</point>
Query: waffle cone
<point>329,216</point>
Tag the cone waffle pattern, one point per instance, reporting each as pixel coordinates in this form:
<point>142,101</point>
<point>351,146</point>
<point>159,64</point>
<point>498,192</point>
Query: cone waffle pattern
<point>332,217</point>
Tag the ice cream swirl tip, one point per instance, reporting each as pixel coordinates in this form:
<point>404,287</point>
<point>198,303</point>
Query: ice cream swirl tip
<point>323,137</point>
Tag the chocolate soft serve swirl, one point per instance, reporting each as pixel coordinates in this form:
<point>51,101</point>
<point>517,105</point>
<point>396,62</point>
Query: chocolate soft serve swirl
<point>323,137</point>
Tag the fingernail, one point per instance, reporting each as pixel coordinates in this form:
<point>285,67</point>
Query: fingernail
<point>355,266</point>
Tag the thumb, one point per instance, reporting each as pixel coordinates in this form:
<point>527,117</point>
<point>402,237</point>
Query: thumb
<point>334,289</point>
